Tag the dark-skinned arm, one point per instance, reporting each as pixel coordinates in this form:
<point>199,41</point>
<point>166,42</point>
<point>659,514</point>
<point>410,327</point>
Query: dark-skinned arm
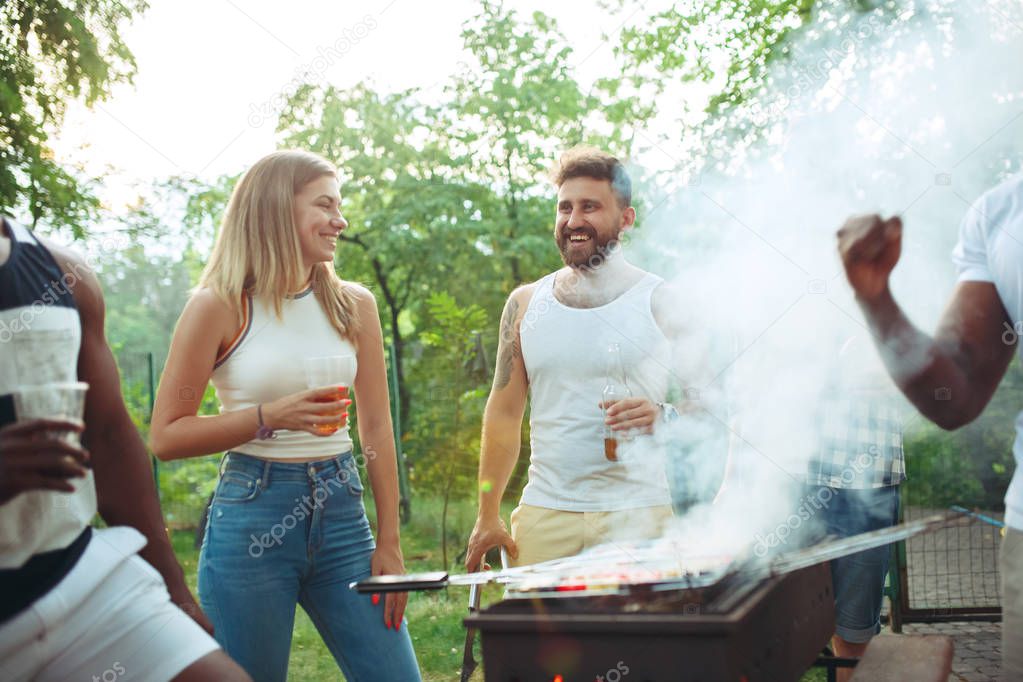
<point>951,376</point>
<point>125,488</point>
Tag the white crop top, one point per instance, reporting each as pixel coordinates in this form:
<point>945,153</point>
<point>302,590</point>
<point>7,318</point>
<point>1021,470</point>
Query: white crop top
<point>267,362</point>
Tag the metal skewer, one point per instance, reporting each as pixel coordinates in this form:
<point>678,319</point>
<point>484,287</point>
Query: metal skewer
<point>834,549</point>
<point>602,560</point>
<point>1000,525</point>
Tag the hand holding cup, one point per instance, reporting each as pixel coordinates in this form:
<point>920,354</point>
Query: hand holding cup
<point>42,449</point>
<point>330,372</point>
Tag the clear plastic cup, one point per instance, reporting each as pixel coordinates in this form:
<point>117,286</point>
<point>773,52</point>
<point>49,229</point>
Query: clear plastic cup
<point>44,356</point>
<point>59,400</point>
<point>330,371</point>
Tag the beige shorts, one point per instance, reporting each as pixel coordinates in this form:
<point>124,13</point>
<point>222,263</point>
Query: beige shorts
<point>543,534</point>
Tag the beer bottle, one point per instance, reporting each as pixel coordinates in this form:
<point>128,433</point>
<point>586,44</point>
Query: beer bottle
<point>616,388</point>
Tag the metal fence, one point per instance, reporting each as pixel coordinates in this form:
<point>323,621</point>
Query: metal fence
<point>952,574</point>
<point>948,575</point>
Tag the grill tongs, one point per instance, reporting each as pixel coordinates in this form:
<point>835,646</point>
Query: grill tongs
<point>468,660</point>
<point>469,663</point>
<point>837,548</point>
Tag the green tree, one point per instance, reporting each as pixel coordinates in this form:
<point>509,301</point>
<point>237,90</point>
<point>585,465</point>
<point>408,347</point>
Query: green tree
<point>449,420</point>
<point>53,52</point>
<point>751,59</point>
<point>514,108</point>
<point>145,294</point>
<point>689,41</point>
<point>414,222</point>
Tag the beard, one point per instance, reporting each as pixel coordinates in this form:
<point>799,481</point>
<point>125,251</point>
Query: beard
<point>590,254</point>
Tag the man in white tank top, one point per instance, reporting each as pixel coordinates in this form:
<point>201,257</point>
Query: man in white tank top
<point>555,335</point>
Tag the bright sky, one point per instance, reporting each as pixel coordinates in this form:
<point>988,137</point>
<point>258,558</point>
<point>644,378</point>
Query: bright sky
<point>210,71</point>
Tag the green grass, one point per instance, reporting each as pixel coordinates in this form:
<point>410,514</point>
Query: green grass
<point>435,618</point>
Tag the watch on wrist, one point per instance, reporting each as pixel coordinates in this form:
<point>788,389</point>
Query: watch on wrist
<point>668,412</point>
<point>264,432</point>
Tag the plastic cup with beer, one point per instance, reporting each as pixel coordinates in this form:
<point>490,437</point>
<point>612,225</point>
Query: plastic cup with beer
<point>330,371</point>
<point>64,401</point>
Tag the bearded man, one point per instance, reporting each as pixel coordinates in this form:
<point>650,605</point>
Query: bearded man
<point>553,347</point>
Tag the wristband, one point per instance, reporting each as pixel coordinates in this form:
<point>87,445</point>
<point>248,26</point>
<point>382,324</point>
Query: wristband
<point>264,432</point>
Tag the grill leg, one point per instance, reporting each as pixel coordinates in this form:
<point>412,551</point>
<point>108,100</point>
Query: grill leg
<point>831,664</point>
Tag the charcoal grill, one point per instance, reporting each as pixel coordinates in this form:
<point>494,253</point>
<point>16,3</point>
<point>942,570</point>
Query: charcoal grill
<point>769,630</point>
<point>678,618</point>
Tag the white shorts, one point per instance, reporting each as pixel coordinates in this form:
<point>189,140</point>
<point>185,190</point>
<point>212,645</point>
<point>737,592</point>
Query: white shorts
<point>109,620</point>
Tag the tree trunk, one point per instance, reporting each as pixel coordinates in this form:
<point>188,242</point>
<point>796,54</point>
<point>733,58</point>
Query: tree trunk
<point>398,341</point>
<point>444,513</point>
<point>450,476</point>
<point>394,309</point>
<point>513,219</point>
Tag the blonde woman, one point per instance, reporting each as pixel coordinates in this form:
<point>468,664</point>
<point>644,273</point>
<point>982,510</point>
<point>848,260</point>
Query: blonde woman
<point>287,524</point>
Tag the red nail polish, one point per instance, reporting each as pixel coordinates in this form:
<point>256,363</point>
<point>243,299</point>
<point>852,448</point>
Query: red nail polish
<point>387,624</point>
<point>376,599</point>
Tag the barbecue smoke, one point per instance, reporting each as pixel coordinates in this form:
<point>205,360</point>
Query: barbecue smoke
<point>915,112</point>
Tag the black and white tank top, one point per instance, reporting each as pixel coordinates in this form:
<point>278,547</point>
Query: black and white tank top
<point>41,532</point>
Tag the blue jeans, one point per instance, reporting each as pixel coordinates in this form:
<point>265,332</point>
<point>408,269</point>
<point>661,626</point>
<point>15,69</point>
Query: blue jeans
<point>281,534</point>
<point>858,579</point>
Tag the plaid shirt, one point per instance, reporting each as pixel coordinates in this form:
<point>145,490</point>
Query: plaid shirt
<point>860,444</point>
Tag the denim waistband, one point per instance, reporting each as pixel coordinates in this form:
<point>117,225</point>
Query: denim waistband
<point>266,470</point>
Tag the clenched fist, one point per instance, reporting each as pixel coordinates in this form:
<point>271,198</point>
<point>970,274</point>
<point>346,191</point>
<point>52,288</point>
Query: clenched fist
<point>870,247</point>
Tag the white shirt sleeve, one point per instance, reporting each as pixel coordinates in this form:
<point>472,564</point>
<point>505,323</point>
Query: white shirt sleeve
<point>970,254</point>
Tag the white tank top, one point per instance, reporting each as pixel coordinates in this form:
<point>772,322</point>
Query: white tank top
<point>40,338</point>
<point>564,350</point>
<point>267,361</point>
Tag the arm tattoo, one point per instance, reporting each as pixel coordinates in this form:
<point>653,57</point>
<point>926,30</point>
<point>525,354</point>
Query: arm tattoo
<point>508,345</point>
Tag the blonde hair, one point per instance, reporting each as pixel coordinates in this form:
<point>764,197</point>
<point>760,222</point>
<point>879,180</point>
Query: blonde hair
<point>257,250</point>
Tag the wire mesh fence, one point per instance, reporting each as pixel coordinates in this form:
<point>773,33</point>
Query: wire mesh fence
<point>951,573</point>
<point>184,485</point>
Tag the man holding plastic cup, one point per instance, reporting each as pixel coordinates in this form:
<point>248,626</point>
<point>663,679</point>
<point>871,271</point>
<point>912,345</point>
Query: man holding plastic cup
<point>79,602</point>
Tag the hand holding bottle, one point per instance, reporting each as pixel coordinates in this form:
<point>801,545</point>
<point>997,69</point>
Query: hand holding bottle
<point>616,389</point>
<point>631,415</point>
